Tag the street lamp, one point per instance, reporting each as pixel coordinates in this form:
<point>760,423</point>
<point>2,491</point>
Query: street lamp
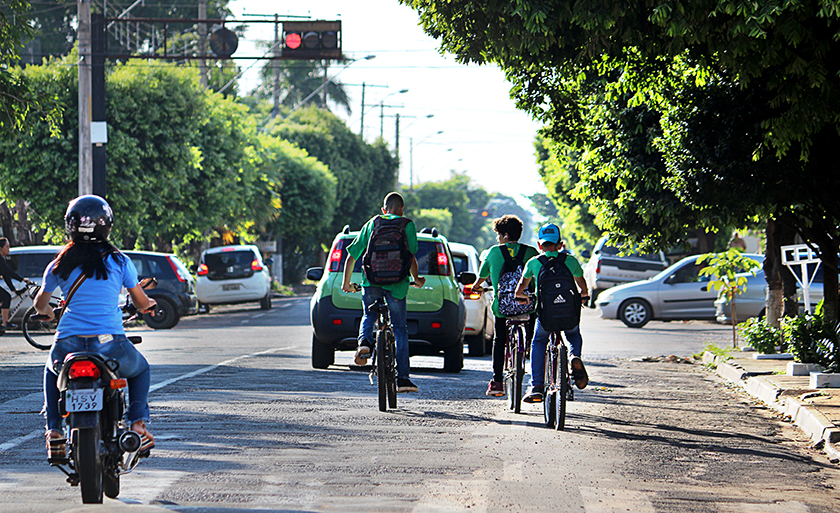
<point>411,156</point>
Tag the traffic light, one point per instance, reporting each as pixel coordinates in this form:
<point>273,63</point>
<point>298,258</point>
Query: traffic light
<point>312,40</point>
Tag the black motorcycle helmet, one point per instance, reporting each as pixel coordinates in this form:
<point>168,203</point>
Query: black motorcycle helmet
<point>88,219</point>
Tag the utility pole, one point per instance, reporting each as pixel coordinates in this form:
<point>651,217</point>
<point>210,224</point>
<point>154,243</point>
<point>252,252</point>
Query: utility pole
<point>202,43</point>
<point>85,150</point>
<point>98,124</point>
<point>362,128</point>
<point>397,137</point>
<point>276,109</point>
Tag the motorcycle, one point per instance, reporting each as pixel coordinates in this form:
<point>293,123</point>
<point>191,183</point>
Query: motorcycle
<point>100,446</point>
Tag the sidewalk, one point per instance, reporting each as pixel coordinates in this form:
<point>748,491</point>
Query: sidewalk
<point>814,411</point>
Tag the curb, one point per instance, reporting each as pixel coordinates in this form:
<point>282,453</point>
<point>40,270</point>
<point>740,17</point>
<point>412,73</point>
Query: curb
<point>810,420</point>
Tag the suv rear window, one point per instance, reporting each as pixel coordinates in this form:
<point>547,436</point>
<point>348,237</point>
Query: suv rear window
<point>30,265</point>
<point>148,265</point>
<point>427,260</point>
<point>228,265</point>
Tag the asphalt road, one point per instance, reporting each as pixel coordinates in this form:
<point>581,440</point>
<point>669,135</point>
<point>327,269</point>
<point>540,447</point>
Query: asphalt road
<point>243,422</point>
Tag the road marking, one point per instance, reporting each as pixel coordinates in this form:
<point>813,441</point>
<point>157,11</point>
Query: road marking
<point>11,444</point>
<point>155,482</point>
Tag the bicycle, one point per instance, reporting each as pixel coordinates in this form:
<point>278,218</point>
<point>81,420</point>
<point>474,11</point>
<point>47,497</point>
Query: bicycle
<point>557,382</point>
<point>517,351</point>
<point>383,371</point>
<point>36,335</point>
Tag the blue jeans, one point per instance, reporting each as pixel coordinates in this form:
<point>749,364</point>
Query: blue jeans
<point>133,367</point>
<point>538,351</point>
<point>397,309</point>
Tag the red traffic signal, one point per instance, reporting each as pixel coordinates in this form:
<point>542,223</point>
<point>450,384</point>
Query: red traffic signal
<point>312,40</point>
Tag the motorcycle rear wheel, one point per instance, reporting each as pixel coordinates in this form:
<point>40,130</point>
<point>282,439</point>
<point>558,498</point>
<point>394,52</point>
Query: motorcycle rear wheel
<point>89,464</point>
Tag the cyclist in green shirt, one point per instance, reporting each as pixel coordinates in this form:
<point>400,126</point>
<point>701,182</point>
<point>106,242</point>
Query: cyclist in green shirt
<point>394,206</point>
<point>508,229</point>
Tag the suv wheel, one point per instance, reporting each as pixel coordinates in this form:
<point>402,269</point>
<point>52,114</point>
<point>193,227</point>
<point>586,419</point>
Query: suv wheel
<point>323,355</point>
<point>265,303</point>
<point>635,313</point>
<point>165,317</point>
<point>453,357</point>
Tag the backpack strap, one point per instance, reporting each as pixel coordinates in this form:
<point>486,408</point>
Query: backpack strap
<point>70,293</point>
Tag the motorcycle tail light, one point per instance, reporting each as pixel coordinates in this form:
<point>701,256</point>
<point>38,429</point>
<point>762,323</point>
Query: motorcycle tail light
<point>203,270</point>
<point>118,383</point>
<point>83,369</point>
<point>255,265</point>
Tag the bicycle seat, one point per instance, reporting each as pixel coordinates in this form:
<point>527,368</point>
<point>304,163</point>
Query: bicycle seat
<point>379,306</point>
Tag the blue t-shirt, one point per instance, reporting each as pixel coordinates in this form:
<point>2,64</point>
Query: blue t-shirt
<point>95,307</point>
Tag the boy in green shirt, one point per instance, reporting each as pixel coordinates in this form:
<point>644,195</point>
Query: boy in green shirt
<point>508,229</point>
<point>394,294</point>
<point>551,245</point>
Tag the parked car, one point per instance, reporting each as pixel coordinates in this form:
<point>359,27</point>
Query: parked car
<point>175,290</point>
<point>436,313</point>
<point>607,268</point>
<point>30,262</point>
<point>478,333</point>
<point>751,303</point>
<point>231,275</point>
<point>679,292</point>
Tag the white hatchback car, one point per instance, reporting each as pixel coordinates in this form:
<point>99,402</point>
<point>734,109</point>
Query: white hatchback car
<point>233,274</point>
<point>480,322</point>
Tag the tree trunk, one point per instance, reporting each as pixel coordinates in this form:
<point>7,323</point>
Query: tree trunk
<point>773,269</point>
<point>790,304</point>
<point>830,291</point>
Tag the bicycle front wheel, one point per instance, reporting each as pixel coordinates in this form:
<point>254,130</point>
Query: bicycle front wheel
<point>562,386</point>
<point>39,333</point>
<point>549,403</point>
<point>391,384</point>
<point>383,370</point>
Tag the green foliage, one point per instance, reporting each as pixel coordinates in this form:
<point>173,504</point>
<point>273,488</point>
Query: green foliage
<point>814,338</point>
<point>365,173</point>
<point>728,270</point>
<point>439,218</point>
<point>758,334</point>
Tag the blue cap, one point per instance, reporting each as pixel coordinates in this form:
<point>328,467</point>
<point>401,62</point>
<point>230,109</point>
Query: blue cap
<point>549,232</point>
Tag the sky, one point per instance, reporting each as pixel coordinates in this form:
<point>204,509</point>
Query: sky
<point>483,134</point>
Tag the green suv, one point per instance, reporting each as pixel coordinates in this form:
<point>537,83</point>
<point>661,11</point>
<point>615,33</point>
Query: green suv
<point>436,313</point>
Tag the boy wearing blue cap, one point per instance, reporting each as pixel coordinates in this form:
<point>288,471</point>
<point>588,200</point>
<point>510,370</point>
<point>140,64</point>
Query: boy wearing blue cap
<point>551,245</point>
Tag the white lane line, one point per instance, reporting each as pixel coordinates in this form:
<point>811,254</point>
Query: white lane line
<point>194,373</point>
<point>11,444</point>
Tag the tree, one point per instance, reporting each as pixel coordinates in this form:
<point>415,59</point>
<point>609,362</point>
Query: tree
<point>608,80</point>
<point>298,80</point>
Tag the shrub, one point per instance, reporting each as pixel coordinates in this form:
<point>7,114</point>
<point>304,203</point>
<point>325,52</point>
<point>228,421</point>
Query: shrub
<point>760,335</point>
<point>812,339</point>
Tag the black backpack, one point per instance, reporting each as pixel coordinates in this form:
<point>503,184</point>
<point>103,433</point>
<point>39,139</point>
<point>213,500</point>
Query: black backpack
<point>558,298</point>
<point>386,260</point>
<point>512,271</point>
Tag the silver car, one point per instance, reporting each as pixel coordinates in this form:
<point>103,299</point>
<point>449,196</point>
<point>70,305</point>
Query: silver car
<point>677,293</point>
<point>752,302</point>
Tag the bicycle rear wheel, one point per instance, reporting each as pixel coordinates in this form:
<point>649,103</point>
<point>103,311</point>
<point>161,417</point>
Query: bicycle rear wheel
<point>549,412</point>
<point>382,369</point>
<point>392,371</point>
<point>514,370</point>
<point>40,334</point>
<point>562,386</point>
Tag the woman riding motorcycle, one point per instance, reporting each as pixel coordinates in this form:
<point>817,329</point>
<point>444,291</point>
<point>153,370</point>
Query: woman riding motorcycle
<point>92,320</point>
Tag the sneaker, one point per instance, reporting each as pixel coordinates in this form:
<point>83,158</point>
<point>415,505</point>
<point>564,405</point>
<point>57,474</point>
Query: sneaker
<point>405,385</point>
<point>534,395</point>
<point>579,373</point>
<point>495,389</point>
<point>363,353</point>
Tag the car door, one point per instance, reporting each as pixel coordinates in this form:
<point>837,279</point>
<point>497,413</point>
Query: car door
<point>685,294</point>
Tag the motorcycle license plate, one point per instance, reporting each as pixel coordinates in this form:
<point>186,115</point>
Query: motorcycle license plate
<point>84,400</point>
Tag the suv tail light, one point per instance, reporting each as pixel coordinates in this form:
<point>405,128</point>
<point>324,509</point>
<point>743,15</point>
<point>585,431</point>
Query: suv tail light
<point>256,266</point>
<point>178,272</point>
<point>442,259</point>
<point>334,263</point>
<point>203,270</point>
<point>598,266</point>
<point>83,369</point>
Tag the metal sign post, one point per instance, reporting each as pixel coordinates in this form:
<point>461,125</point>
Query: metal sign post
<point>801,255</point>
